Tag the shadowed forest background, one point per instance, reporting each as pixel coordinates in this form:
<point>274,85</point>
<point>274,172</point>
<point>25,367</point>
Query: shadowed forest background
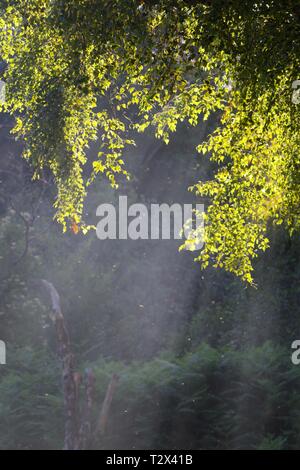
<point>147,99</point>
<point>203,360</point>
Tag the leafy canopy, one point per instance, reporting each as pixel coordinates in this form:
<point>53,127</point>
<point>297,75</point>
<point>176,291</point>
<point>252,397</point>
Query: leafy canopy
<point>80,69</point>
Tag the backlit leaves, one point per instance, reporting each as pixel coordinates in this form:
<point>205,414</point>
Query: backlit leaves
<point>87,70</point>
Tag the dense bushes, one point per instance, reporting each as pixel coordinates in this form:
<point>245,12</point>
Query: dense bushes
<point>207,399</point>
<point>31,406</point>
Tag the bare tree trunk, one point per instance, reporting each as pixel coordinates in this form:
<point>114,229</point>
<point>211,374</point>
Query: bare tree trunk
<point>67,359</point>
<point>107,404</point>
<point>85,433</point>
<point>78,425</point>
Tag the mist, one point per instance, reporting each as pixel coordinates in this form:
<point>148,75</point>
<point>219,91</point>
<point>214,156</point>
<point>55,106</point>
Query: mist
<point>180,358</point>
